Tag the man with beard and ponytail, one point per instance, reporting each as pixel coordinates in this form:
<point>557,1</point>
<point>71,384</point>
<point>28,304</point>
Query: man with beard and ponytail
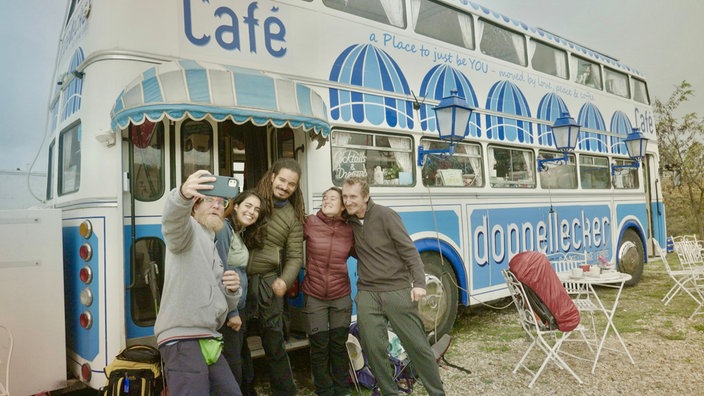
<point>198,293</point>
<point>274,267</point>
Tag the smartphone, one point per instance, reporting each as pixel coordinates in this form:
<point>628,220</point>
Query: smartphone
<point>226,187</point>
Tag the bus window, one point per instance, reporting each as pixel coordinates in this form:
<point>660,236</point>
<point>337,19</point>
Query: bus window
<point>148,167</point>
<point>196,146</point>
<point>511,167</point>
<point>559,177</point>
<point>146,280</point>
<point>70,160</point>
<point>594,172</point>
<point>616,83</point>
<point>640,91</point>
<point>382,159</point>
<point>463,168</point>
<point>50,172</point>
<point>548,59</point>
<point>501,43</point>
<point>588,73</point>
<point>444,23</point>
<point>390,12</point>
<point>625,178</point>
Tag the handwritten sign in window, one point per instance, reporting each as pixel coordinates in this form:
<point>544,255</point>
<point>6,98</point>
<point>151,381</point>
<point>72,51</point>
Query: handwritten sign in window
<point>348,162</point>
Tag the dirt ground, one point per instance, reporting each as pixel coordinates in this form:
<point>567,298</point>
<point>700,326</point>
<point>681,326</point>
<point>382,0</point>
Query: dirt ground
<point>667,347</point>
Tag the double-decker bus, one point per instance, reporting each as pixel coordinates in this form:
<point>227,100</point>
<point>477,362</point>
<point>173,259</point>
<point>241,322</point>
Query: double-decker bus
<point>148,92</point>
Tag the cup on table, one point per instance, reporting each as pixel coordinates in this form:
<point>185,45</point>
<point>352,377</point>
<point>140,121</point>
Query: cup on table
<point>593,269</point>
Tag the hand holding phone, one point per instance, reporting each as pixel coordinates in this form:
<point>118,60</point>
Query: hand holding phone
<point>223,186</point>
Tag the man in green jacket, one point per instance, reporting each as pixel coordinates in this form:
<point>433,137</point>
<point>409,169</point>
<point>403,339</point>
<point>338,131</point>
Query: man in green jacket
<point>274,267</point>
<point>391,282</point>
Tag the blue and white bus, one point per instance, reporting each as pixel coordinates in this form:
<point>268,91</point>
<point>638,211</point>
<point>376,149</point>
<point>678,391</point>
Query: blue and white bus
<point>148,92</point>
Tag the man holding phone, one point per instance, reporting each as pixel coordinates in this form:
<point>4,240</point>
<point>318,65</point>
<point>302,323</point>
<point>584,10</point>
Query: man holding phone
<point>198,293</point>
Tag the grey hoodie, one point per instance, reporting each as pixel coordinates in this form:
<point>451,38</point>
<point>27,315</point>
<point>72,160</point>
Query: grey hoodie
<point>195,302</point>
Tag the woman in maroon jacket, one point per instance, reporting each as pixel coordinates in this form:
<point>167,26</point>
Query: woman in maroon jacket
<point>326,288</point>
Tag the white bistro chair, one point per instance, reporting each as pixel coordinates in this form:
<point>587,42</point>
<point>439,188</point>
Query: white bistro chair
<point>544,338</point>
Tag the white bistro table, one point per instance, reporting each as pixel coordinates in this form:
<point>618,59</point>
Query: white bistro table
<point>614,280</point>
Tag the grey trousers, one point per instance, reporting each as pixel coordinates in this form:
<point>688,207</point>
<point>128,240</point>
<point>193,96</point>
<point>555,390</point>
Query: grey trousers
<point>374,311</point>
<point>187,374</point>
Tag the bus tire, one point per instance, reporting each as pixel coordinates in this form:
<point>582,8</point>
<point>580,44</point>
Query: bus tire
<point>438,309</point>
<point>631,256</point>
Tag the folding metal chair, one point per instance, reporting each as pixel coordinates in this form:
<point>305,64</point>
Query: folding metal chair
<point>685,279</point>
<point>545,338</point>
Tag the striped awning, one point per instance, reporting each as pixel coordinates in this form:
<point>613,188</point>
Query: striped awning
<point>195,90</point>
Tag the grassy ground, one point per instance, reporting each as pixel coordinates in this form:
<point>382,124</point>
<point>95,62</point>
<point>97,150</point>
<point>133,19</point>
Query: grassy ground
<point>488,341</point>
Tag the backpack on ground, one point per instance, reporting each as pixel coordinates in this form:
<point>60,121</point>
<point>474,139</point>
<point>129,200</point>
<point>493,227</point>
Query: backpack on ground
<point>135,371</point>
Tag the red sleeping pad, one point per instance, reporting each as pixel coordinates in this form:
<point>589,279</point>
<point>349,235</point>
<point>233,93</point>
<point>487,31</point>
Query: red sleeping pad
<point>533,269</point>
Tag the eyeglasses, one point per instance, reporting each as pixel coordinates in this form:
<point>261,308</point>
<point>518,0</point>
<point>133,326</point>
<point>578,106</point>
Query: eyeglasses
<point>215,200</point>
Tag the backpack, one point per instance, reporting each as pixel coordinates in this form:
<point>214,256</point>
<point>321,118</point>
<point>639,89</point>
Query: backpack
<point>135,371</point>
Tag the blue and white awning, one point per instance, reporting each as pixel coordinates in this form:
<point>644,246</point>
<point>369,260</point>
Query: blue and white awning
<point>621,125</point>
<point>551,107</point>
<point>186,88</point>
<point>506,97</point>
<point>437,84</point>
<point>371,68</point>
<point>590,117</point>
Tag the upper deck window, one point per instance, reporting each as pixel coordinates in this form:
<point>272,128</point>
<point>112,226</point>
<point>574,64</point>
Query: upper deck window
<point>501,43</point>
<point>548,59</point>
<point>443,23</point>
<point>588,73</point>
<point>617,83</point>
<point>390,12</point>
<point>640,91</point>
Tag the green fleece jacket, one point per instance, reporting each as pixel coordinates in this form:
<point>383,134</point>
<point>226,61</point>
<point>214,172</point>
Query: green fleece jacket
<point>282,252</point>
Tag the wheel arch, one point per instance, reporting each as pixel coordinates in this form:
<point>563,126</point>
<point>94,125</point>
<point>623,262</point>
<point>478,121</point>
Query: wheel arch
<point>452,256</point>
<point>635,226</point>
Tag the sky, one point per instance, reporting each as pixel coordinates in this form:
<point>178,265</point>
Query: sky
<point>658,38</point>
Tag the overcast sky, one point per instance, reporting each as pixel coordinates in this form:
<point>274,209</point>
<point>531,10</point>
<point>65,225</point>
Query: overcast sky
<point>660,38</point>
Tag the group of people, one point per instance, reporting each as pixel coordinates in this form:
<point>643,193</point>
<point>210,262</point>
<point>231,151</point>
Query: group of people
<point>229,264</point>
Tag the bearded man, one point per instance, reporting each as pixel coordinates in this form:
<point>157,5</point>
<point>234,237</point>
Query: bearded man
<point>198,293</point>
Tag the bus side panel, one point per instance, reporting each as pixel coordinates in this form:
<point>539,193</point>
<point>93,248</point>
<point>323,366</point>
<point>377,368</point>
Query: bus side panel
<point>32,300</point>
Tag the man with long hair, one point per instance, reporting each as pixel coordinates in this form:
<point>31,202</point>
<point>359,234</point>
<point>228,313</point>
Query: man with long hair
<point>275,266</point>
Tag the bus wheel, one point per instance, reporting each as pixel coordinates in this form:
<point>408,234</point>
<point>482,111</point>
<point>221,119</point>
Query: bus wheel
<point>631,256</point>
<point>438,309</point>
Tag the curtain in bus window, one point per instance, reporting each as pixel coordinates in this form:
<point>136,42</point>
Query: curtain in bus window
<point>590,117</point>
<point>437,84</point>
<point>443,23</point>
<point>501,43</point>
<point>394,11</point>
<point>621,125</point>
<point>507,98</point>
<point>403,159</point>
